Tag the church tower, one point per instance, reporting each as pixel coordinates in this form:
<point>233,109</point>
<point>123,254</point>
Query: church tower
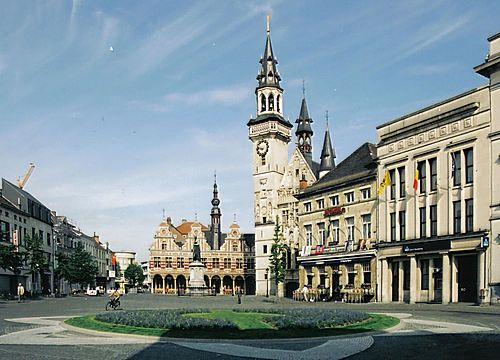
<point>304,132</point>
<point>215,215</point>
<point>327,153</point>
<point>270,134</point>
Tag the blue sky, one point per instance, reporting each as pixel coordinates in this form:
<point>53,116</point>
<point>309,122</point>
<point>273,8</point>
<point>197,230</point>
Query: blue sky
<point>119,135</point>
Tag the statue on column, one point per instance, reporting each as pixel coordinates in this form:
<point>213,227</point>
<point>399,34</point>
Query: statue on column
<point>196,250</point>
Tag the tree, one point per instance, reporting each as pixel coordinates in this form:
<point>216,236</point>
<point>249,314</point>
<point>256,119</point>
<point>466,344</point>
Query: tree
<point>13,259</point>
<point>277,258</point>
<point>38,261</point>
<point>134,275</point>
<point>79,268</point>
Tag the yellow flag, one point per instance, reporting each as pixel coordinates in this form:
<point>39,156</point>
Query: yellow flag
<point>385,182</point>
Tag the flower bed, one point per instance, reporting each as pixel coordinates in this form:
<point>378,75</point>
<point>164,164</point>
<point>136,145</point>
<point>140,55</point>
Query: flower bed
<point>180,320</point>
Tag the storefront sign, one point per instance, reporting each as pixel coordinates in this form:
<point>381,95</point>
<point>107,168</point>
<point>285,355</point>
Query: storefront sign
<point>334,211</point>
<point>429,246</point>
<point>320,249</point>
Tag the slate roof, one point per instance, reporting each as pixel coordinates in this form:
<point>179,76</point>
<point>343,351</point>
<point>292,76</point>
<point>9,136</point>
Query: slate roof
<point>357,166</point>
<point>185,227</point>
<point>270,117</point>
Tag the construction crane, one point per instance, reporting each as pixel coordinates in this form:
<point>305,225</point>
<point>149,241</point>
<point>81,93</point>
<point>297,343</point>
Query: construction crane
<point>22,182</point>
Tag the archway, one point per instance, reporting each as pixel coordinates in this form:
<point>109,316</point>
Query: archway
<point>216,284</point>
<point>239,283</point>
<point>290,287</point>
<point>181,282</point>
<point>250,285</point>
<point>227,284</point>
<point>157,284</point>
<point>169,282</point>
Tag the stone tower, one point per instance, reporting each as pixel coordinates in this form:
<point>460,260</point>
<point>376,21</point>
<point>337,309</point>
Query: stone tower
<point>270,134</point>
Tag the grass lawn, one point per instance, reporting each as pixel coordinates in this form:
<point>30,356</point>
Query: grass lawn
<point>250,324</point>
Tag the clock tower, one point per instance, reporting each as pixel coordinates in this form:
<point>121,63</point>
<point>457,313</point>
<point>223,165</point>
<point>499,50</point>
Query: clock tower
<point>270,134</point>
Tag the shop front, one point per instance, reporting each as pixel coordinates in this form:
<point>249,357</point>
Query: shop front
<point>433,271</point>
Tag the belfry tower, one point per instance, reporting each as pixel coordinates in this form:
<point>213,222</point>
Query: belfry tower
<point>215,215</point>
<point>304,131</point>
<point>270,134</point>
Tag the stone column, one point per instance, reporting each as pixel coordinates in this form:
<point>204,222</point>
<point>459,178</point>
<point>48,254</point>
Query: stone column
<point>234,284</point>
<point>175,283</point>
<point>329,279</point>
<point>481,275</point>
<point>400,282</point>
<point>454,279</point>
<point>413,279</point>
<point>163,278</point>
<point>446,279</point>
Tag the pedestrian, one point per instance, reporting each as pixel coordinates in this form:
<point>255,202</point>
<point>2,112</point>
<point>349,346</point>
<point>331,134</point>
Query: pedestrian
<point>240,292</point>
<point>305,292</point>
<point>20,292</point>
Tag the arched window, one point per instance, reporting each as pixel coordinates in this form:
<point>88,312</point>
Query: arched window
<point>270,101</point>
<point>262,103</point>
<point>278,98</point>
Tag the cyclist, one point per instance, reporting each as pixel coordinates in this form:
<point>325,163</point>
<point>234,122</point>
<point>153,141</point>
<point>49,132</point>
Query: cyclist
<point>114,296</point>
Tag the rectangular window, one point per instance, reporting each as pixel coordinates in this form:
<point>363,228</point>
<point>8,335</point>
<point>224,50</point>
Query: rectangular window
<point>350,228</point>
<point>350,274</point>
<point>164,246</point>
<point>156,262</point>
<point>423,222</point>
<point>349,197</point>
<point>335,231</point>
<point>392,175</point>
<point>457,217</point>
<point>402,182</point>
<point>424,274</point>
<point>469,166</point>
<point>227,262</point>
<point>168,261</point>
<point>438,273</point>
<point>321,233</point>
<point>334,200</point>
<point>406,275</point>
<point>239,263</point>
<point>367,275</point>
<point>307,207</point>
<point>320,203</point>
<point>367,226</point>
<point>264,249</point>
<point>308,229</point>
<point>250,263</point>
<point>366,193</point>
<point>469,215</point>
<point>433,171</point>
<point>393,226</point>
<point>215,263</point>
<point>422,177</point>
<point>180,262</point>
<point>402,225</point>
<point>433,218</point>
<point>4,231</point>
<point>456,168</point>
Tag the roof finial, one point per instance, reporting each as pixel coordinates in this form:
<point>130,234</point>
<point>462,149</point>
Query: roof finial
<point>164,213</point>
<point>268,20</point>
<point>215,176</point>
<point>196,217</point>
<point>303,88</point>
<point>326,116</point>
<point>235,217</point>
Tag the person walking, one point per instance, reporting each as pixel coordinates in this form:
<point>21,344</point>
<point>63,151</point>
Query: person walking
<point>20,292</point>
<point>240,292</point>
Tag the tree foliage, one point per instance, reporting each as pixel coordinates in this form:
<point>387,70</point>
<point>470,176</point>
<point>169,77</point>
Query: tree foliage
<point>277,258</point>
<point>38,261</point>
<point>79,268</point>
<point>134,275</point>
<point>13,258</point>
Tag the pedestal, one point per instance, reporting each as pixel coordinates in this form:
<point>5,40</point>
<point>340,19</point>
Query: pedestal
<point>197,284</point>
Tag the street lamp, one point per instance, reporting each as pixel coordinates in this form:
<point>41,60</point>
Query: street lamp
<point>267,282</point>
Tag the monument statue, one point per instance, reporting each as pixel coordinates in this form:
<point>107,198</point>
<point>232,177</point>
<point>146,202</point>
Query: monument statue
<point>196,251</point>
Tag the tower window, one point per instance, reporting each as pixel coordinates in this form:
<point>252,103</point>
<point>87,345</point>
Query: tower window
<point>278,103</point>
<point>270,101</point>
<point>262,103</point>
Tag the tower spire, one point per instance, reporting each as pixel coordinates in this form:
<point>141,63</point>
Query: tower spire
<point>304,130</point>
<point>327,153</point>
<point>215,216</point>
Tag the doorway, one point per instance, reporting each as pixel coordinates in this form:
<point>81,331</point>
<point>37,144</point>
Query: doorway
<point>467,278</point>
<point>395,281</point>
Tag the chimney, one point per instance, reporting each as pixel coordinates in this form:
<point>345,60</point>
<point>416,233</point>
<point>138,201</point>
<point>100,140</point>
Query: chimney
<point>303,183</point>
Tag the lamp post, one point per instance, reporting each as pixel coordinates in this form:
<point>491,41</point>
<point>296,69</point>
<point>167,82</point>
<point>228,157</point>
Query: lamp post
<point>267,282</point>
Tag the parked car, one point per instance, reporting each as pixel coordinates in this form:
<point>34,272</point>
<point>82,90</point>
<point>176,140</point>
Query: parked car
<point>92,292</point>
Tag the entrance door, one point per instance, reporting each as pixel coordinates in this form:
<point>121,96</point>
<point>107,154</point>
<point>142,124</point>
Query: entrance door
<point>467,278</point>
<point>395,281</point>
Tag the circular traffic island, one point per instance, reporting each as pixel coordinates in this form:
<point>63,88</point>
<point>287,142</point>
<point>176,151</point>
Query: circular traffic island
<point>236,324</point>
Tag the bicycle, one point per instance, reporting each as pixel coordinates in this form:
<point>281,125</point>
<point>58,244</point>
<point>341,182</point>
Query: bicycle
<point>113,304</point>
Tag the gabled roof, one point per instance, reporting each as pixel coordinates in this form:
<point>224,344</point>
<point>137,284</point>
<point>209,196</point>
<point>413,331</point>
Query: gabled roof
<point>359,165</point>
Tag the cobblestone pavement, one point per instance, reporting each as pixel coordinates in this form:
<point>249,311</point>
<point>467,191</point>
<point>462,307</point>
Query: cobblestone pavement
<point>476,330</point>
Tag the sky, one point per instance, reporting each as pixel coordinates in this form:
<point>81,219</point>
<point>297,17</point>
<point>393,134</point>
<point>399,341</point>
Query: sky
<point>128,107</point>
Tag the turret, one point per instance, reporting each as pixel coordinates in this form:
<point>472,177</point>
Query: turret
<point>304,132</point>
<point>327,153</point>
<point>215,216</point>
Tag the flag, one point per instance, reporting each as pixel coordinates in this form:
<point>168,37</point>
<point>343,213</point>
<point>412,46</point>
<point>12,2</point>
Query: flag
<point>386,182</point>
<point>415,180</point>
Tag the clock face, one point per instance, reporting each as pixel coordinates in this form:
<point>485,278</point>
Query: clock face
<point>262,147</point>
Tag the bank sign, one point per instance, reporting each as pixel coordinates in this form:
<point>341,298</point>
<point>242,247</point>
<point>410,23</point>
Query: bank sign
<point>429,246</point>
